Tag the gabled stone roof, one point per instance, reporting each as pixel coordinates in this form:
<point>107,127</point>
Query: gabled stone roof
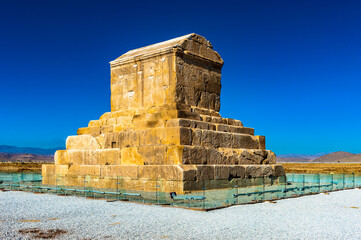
<point>191,43</point>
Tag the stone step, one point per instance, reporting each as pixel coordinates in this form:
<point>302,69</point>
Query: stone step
<point>164,155</point>
<point>176,178</point>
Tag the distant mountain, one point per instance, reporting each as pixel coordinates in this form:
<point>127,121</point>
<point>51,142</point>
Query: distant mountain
<point>39,151</point>
<point>334,157</point>
<point>298,157</point>
<point>307,156</point>
<point>352,158</point>
<point>292,159</point>
<point>25,157</point>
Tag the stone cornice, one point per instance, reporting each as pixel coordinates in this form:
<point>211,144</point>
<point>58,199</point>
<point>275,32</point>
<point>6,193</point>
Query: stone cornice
<point>160,52</point>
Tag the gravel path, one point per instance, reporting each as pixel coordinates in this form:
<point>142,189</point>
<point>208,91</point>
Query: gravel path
<point>333,216</point>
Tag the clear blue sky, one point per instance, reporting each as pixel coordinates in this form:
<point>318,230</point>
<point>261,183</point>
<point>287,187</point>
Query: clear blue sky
<point>292,68</point>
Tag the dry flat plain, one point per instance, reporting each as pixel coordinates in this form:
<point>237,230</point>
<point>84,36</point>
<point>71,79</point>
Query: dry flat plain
<point>20,167</point>
<point>322,168</point>
<point>289,167</point>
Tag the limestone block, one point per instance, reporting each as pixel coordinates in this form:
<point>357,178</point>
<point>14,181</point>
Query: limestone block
<point>120,172</point>
<point>214,157</point>
<point>77,180</point>
<point>159,136</point>
<point>257,171</point>
<point>222,128</point>
<point>194,155</point>
<point>249,157</point>
<point>101,140</point>
<point>216,120</point>
<point>129,138</point>
<point>185,136</point>
<point>234,122</point>
<point>174,154</point>
<point>54,170</point>
<point>226,140</point>
<point>212,127</point>
<point>189,115</point>
<point>169,114</point>
<point>271,158</point>
<point>124,123</point>
<point>196,137</point>
<point>153,155</point>
<point>206,118</point>
<point>213,87</point>
<point>205,172</point>
<point>97,123</point>
<point>124,112</point>
<point>111,140</point>
<point>150,137</point>
<point>189,172</point>
<point>147,117</point>
<point>245,141</point>
<point>106,183</point>
<point>201,111</point>
<point>279,170</point>
<point>170,136</point>
<point>149,124</point>
<point>94,131</point>
<point>243,130</point>
<point>106,129</point>
<point>111,121</point>
<point>82,131</point>
<point>178,122</point>
<point>262,142</point>
<point>81,170</point>
<point>229,172</point>
<point>210,139</point>
<point>61,157</point>
<point>105,116</point>
<point>160,172</point>
<point>49,180</point>
<point>230,157</point>
<point>200,125</point>
<point>82,142</point>
<point>81,157</point>
<point>131,156</point>
<point>107,157</point>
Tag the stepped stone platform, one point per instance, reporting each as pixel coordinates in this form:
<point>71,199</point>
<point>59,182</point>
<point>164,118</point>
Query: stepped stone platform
<point>164,126</point>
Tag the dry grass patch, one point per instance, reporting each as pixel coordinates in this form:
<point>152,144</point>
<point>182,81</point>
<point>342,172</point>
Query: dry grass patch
<point>336,168</point>
<point>38,233</point>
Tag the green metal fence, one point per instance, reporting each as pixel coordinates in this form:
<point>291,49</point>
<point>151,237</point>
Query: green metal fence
<point>248,191</point>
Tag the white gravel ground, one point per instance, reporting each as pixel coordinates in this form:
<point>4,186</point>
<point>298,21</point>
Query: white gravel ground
<point>333,216</point>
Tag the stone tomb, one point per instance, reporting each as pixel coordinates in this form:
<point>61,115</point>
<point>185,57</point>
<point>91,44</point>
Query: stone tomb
<point>164,127</point>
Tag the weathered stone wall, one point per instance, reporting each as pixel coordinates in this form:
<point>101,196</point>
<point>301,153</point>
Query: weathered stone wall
<point>164,125</point>
<point>143,84</point>
<point>198,82</point>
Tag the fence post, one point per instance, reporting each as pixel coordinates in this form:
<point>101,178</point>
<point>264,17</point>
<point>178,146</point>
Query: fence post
<point>303,181</point>
<point>319,183</point>
<point>156,191</point>
<point>236,186</point>
<point>84,187</point>
<point>285,184</point>
<point>264,189</point>
<point>204,194</point>
<point>332,180</point>
<point>56,184</point>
